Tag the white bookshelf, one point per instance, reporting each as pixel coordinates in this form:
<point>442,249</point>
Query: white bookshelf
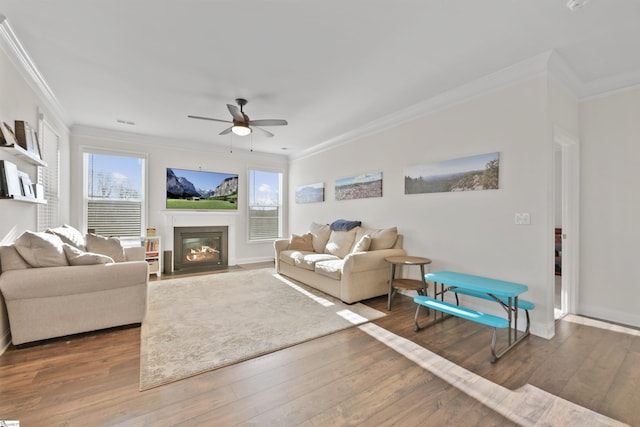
<point>152,250</point>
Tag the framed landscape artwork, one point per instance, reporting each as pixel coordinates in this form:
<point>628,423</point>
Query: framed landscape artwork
<point>463,174</point>
<point>312,193</point>
<point>359,187</point>
<point>191,189</point>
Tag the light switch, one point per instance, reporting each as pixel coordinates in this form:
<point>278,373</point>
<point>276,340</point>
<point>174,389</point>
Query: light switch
<point>523,218</point>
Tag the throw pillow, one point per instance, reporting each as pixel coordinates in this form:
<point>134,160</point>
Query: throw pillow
<point>77,257</point>
<point>340,243</point>
<point>41,249</point>
<point>10,259</point>
<point>380,238</point>
<point>363,244</point>
<point>301,243</point>
<point>69,235</point>
<point>109,246</point>
<point>321,233</point>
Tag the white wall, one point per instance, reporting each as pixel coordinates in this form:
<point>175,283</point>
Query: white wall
<point>610,207</point>
<point>163,154</point>
<point>471,232</point>
<point>19,102</point>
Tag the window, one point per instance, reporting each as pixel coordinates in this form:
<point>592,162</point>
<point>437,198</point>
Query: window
<point>115,198</point>
<point>265,205</point>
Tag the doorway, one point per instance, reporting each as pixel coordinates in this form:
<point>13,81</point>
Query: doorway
<point>566,205</point>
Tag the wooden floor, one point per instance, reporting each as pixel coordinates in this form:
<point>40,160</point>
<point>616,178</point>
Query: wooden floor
<point>347,378</point>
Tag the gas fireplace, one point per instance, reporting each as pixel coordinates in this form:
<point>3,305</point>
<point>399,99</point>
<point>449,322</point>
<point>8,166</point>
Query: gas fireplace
<point>200,248</point>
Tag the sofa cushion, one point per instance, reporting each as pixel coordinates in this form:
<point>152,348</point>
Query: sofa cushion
<point>303,259</point>
<point>362,245</point>
<point>301,243</point>
<point>289,257</point>
<point>77,257</point>
<point>340,243</point>
<point>69,235</point>
<point>109,246</point>
<point>331,268</point>
<point>10,259</point>
<point>41,249</point>
<point>380,238</point>
<point>308,260</point>
<point>320,235</point>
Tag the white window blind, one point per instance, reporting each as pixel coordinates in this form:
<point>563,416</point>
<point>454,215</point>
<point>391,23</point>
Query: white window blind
<point>49,176</point>
<point>115,196</point>
<point>265,205</point>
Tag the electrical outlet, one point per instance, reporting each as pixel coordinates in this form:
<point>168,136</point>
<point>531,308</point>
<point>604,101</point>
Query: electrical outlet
<point>523,218</point>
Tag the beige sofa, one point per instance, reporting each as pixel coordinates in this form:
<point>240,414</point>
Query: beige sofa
<point>349,265</point>
<point>90,291</point>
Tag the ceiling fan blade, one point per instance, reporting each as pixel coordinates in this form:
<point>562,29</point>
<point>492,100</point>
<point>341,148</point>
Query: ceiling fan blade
<point>226,131</point>
<point>268,122</point>
<point>264,131</point>
<point>209,118</point>
<point>236,113</point>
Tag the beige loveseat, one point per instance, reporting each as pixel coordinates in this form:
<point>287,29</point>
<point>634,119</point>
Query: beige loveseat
<point>349,265</point>
<point>54,288</point>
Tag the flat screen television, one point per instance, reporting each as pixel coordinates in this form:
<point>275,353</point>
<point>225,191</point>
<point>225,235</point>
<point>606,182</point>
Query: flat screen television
<point>196,189</point>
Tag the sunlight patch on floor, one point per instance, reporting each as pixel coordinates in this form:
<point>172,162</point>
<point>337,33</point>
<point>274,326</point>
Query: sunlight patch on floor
<point>352,317</point>
<point>322,301</point>
<point>527,406</point>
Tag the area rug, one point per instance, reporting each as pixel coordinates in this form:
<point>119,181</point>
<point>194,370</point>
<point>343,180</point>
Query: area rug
<point>197,324</point>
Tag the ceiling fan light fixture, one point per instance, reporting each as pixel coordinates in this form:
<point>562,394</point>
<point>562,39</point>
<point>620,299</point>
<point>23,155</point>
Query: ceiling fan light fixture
<point>241,130</point>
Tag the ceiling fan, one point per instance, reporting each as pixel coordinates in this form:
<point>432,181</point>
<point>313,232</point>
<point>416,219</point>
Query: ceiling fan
<point>241,124</point>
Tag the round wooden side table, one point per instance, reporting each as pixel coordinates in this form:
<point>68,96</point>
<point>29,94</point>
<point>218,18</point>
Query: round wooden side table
<point>406,284</point>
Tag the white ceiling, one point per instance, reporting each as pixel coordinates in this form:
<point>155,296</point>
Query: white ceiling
<point>326,66</point>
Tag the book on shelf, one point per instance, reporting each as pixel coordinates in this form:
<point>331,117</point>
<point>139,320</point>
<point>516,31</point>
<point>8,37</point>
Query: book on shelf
<point>4,191</point>
<point>151,245</point>
<point>23,135</point>
<point>26,185</point>
<point>151,232</point>
<point>27,138</point>
<point>10,178</point>
<point>8,135</point>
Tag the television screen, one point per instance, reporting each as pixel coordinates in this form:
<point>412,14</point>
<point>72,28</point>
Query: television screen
<point>190,189</point>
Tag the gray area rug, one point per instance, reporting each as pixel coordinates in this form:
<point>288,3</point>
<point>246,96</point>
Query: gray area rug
<point>200,323</point>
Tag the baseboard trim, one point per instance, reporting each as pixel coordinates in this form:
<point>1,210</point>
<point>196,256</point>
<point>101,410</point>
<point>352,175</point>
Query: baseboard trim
<point>608,315</point>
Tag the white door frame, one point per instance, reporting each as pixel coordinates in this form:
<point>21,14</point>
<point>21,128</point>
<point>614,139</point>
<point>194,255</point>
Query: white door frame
<point>569,147</point>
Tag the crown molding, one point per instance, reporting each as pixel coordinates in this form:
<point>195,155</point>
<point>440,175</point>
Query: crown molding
<point>562,73</point>
<point>521,71</point>
<point>16,53</point>
<point>83,131</point>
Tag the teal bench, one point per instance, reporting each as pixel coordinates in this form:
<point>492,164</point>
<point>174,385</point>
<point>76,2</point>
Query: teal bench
<point>463,312</point>
<point>522,304</point>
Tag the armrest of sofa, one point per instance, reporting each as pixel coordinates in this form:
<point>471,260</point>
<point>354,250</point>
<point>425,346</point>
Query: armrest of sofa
<point>135,253</point>
<point>371,260</point>
<point>279,246</point>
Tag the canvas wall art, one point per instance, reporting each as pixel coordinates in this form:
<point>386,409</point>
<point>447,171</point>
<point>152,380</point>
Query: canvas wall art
<point>312,193</point>
<point>359,187</point>
<point>472,173</point>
